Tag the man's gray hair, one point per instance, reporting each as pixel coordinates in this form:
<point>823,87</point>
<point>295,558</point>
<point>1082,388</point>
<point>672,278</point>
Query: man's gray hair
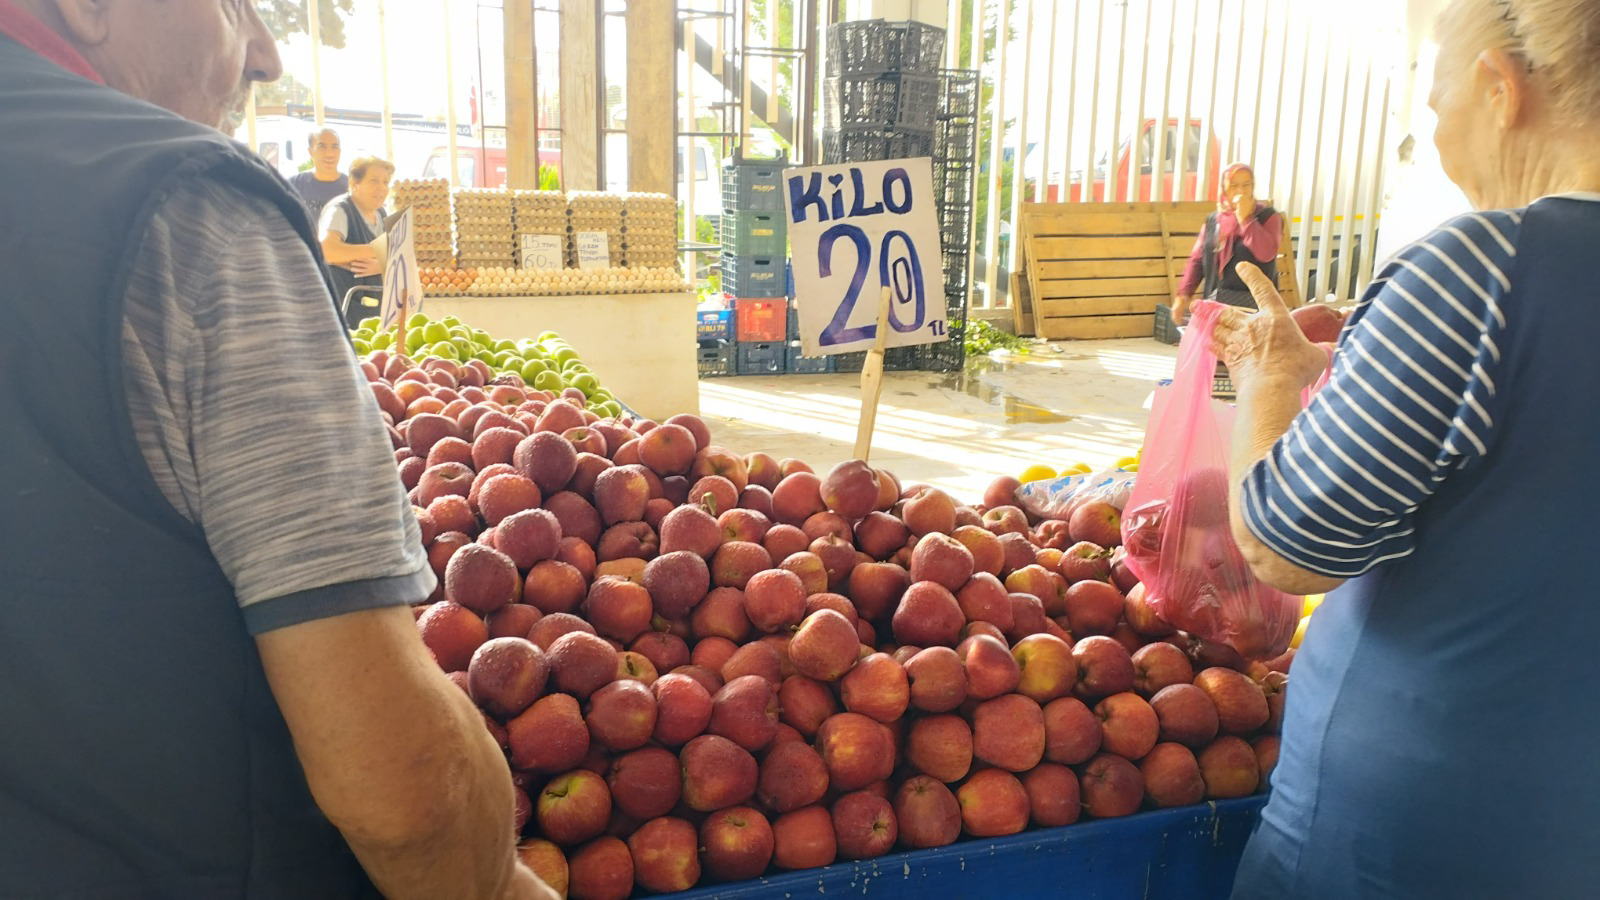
<point>311,138</point>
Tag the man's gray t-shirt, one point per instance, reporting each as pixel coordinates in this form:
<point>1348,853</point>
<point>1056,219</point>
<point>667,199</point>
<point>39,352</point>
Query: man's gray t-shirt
<point>316,193</point>
<point>287,469</point>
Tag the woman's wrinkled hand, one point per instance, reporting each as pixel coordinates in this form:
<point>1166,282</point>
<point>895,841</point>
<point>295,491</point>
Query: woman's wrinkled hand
<point>366,266</point>
<point>1265,345</point>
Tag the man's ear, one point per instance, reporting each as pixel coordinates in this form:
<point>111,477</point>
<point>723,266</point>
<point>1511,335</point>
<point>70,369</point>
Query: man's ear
<point>1504,78</point>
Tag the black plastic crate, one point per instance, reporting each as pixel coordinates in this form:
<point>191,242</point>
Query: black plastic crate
<point>874,144</point>
<point>761,358</point>
<point>948,355</point>
<point>1166,332</point>
<point>754,233</point>
<point>956,139</point>
<point>715,359</point>
<point>753,276</point>
<point>849,362</point>
<point>895,99</point>
<point>874,45</point>
<point>795,364</point>
<point>900,359</point>
<point>959,97</point>
<point>753,185</point>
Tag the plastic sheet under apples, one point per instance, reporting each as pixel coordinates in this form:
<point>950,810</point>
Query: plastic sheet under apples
<point>1175,524</point>
<point>1055,498</point>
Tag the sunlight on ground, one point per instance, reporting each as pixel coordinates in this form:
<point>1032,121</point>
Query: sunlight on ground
<point>1065,403</point>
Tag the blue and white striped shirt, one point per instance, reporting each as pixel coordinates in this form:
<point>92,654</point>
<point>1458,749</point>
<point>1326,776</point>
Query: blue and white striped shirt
<point>1409,402</point>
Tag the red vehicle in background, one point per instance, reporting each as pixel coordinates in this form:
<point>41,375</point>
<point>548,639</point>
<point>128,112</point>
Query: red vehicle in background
<point>481,167</point>
<point>1194,185</point>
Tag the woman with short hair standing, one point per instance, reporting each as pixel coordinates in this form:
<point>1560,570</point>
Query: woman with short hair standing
<point>349,225</point>
<point>1440,733</point>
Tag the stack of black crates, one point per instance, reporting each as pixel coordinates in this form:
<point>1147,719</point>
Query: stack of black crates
<point>885,97</point>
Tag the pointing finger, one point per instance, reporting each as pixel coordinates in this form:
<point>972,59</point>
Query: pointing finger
<point>1262,288</point>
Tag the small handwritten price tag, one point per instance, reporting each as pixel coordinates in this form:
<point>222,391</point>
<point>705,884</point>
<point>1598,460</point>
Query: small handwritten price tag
<point>594,249</point>
<point>543,251</point>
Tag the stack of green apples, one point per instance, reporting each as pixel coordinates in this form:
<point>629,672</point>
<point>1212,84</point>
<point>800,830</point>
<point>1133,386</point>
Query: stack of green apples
<point>546,363</point>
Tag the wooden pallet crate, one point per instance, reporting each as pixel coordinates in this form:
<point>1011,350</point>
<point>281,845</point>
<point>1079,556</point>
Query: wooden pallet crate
<point>1098,270</point>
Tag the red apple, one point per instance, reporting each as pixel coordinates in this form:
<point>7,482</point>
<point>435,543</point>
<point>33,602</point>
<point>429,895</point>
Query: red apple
<point>1052,795</point>
<point>864,825</point>
<point>1009,733</point>
<point>1172,776</point>
<point>1111,786</point>
<point>993,803</point>
<point>736,844</point>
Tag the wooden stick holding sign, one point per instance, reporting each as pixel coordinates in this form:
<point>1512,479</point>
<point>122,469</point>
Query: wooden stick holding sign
<point>872,381</point>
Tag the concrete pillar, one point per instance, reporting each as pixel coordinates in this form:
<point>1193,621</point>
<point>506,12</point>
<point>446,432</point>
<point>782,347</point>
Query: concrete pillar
<point>580,117</point>
<point>652,95</point>
<point>522,152</point>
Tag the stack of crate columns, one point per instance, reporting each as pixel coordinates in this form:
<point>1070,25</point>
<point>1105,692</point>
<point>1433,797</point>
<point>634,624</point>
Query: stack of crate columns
<point>594,211</point>
<point>954,167</point>
<point>649,230</point>
<point>754,236</point>
<point>485,233</point>
<point>431,219</point>
<point>881,94</point>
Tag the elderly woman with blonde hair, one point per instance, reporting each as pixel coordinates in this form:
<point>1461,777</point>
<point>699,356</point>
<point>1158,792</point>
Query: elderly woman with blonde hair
<point>1442,724</point>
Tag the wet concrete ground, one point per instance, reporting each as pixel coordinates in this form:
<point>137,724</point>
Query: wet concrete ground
<point>1063,403</point>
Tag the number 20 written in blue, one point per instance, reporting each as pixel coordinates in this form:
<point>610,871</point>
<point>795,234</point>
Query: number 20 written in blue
<point>901,274</point>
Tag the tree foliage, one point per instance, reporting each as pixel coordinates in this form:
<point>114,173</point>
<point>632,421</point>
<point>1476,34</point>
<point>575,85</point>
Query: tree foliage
<point>286,17</point>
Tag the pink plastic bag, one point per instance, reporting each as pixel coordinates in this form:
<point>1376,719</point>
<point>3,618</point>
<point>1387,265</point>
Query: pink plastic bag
<point>1175,525</point>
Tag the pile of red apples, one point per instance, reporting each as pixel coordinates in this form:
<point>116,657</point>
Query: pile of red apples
<point>706,666</point>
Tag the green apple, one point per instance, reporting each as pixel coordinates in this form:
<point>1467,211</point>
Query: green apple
<point>564,355</point>
<point>532,369</point>
<point>548,381</point>
<point>504,345</point>
<point>434,332</point>
<point>371,323</point>
<point>362,347</point>
<point>445,350</point>
<point>607,410</point>
<point>484,356</point>
<point>417,320</point>
<point>586,382</point>
<point>449,321</point>
<point>548,336</point>
<point>415,338</point>
<point>383,340</point>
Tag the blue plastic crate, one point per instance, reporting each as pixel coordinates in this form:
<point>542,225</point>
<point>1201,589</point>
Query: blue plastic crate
<point>753,185</point>
<point>714,359</point>
<point>713,324</point>
<point>754,233</point>
<point>1188,853</point>
<point>788,279</point>
<point>806,365</point>
<point>753,276</point>
<point>794,320</point>
<point>760,358</point>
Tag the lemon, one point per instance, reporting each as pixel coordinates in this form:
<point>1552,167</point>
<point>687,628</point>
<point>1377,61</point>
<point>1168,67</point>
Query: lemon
<point>1127,461</point>
<point>1077,469</point>
<point>1310,604</point>
<point>1133,468</point>
<point>1300,632</point>
<point>1036,473</point>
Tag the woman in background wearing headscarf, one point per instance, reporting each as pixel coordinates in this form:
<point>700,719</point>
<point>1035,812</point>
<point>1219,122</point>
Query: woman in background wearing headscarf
<point>1241,230</point>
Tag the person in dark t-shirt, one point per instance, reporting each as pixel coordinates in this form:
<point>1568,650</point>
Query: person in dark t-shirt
<point>324,181</point>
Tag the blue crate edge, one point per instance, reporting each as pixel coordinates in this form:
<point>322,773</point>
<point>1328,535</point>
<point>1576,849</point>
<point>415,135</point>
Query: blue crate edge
<point>1187,853</point>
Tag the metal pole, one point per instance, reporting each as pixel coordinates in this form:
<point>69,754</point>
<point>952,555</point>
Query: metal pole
<point>383,68</point>
<point>1089,174</point>
<point>976,63</point>
<point>1181,158</point>
<point>1072,105</point>
<point>1049,104</point>
<point>450,98</point>
<point>314,27</point>
<point>997,136</point>
<point>1163,145</point>
<point>1135,165</point>
<point>1352,204</point>
<point>1369,226</point>
<point>1116,112</point>
<point>1019,171</point>
<point>250,119</point>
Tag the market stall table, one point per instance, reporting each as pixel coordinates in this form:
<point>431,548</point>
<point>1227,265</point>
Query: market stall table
<point>641,345</point>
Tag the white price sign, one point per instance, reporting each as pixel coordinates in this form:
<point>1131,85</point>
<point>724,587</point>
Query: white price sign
<point>402,283</point>
<point>543,251</point>
<point>594,249</point>
<point>855,228</point>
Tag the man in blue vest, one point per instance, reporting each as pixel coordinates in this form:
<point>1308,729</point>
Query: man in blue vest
<point>213,686</point>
